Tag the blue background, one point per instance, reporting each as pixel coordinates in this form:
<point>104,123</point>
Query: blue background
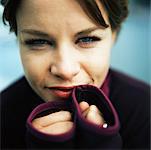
<point>131,53</point>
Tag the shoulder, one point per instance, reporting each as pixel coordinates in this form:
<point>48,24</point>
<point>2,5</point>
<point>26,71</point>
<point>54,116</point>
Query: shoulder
<point>127,93</point>
<point>18,100</point>
<point>16,89</point>
<point>123,84</point>
<point>18,93</point>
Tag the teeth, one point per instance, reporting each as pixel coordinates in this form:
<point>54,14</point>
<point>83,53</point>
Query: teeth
<point>64,90</point>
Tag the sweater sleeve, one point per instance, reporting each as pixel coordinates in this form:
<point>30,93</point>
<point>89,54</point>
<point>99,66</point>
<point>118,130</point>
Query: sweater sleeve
<point>38,139</point>
<point>90,135</point>
<point>84,134</point>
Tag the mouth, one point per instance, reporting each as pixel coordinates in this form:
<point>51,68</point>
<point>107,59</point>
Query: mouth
<point>62,92</point>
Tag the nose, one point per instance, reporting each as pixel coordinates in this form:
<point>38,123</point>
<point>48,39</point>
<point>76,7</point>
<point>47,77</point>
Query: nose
<point>65,66</point>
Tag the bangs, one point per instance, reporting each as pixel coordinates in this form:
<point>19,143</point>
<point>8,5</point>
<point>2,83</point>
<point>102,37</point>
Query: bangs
<point>91,9</point>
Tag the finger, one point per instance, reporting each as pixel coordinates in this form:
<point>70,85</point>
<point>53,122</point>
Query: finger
<point>84,114</point>
<point>83,106</point>
<point>51,119</point>
<point>94,116</point>
<point>58,128</point>
<point>94,109</point>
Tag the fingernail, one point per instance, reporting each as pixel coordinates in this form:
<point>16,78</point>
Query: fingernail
<point>93,108</point>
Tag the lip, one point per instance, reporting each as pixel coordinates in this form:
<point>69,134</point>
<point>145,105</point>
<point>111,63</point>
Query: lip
<point>61,91</point>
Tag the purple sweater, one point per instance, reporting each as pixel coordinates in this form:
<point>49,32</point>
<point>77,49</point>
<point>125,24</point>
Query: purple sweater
<point>126,110</point>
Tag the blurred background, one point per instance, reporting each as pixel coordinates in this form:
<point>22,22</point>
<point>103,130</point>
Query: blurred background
<point>131,53</point>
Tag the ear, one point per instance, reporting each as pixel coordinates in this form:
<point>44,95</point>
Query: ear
<point>114,36</point>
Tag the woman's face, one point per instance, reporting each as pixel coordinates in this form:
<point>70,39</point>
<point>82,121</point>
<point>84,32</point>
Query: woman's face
<point>61,47</point>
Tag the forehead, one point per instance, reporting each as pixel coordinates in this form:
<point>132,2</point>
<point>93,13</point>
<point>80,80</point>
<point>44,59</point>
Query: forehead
<point>55,13</point>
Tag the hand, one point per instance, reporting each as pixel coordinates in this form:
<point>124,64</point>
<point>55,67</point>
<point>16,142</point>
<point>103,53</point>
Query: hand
<point>55,123</point>
<point>91,113</point>
<point>61,122</point>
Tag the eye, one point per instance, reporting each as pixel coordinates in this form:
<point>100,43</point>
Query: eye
<point>38,43</point>
<point>88,41</point>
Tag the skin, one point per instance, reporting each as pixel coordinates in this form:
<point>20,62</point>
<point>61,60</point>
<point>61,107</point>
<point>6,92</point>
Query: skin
<point>66,56</point>
<point>61,122</point>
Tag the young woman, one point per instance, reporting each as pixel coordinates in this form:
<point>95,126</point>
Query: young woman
<point>65,44</point>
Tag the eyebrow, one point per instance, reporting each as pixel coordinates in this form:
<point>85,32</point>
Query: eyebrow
<point>35,32</point>
<point>88,31</point>
<point>43,34</point>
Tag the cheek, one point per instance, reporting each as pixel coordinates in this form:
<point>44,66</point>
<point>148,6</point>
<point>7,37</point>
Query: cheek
<point>101,73</point>
<point>98,64</point>
<point>35,67</point>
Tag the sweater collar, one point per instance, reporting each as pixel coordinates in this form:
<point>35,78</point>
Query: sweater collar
<point>106,85</point>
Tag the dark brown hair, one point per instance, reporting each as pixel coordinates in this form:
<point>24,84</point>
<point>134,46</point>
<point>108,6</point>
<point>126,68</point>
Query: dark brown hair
<point>117,11</point>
